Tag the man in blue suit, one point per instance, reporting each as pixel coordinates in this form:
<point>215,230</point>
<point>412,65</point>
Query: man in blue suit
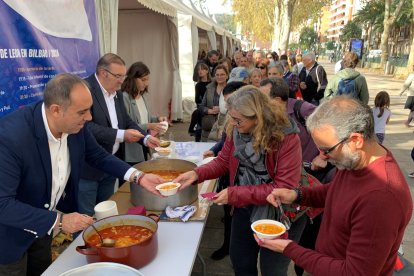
<point>111,126</point>
<point>42,150</point>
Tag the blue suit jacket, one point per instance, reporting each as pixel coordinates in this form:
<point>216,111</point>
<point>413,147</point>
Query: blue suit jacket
<point>101,127</point>
<point>26,178</point>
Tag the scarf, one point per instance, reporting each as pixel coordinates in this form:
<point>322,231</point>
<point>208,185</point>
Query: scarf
<point>252,171</point>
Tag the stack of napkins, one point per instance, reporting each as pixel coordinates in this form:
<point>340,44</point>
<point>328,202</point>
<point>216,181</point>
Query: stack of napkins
<point>183,212</point>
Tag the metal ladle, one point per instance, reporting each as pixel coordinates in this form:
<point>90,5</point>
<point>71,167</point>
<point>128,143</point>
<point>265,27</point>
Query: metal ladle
<point>104,242</point>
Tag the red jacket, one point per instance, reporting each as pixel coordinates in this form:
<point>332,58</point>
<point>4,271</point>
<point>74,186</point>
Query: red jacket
<point>285,175</point>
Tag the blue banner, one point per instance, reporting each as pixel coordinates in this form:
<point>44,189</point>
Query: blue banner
<point>39,39</point>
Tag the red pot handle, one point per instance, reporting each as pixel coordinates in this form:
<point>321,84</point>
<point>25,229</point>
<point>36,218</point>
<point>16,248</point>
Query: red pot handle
<point>154,217</point>
<point>85,250</point>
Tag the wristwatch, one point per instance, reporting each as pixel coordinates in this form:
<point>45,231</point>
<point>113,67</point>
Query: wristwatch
<point>137,177</point>
<point>61,221</point>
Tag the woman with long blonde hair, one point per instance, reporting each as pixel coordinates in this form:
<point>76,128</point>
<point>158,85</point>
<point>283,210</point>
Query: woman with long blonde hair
<point>262,151</point>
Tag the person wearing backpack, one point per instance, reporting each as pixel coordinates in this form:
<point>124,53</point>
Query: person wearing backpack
<point>348,81</point>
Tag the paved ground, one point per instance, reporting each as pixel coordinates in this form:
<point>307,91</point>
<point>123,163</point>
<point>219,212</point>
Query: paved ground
<point>399,140</point>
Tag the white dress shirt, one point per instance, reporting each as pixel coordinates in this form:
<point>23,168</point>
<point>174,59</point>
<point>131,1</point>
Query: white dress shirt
<point>60,161</point>
<point>110,104</point>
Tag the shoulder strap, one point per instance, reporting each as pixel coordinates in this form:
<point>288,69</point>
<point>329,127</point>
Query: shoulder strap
<point>296,110</point>
<point>317,76</point>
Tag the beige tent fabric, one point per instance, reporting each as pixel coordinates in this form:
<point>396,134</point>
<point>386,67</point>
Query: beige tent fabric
<point>159,6</point>
<point>107,14</point>
<point>143,35</point>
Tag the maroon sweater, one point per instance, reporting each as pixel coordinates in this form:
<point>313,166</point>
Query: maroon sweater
<point>366,212</point>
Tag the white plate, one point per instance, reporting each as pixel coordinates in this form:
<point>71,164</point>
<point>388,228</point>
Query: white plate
<point>208,159</point>
<point>103,269</point>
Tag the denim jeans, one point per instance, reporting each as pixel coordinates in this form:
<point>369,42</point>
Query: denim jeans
<point>92,192</point>
<point>244,249</point>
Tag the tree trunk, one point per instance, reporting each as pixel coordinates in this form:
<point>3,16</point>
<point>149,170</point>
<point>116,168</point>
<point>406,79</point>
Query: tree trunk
<point>277,32</point>
<point>389,20</point>
<point>411,56</point>
<point>287,12</point>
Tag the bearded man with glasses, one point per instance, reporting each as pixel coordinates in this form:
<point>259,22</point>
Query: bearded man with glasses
<point>367,205</point>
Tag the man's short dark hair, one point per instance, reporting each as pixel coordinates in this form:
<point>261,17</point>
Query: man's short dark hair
<point>212,53</point>
<point>57,90</point>
<point>232,86</point>
<point>278,88</point>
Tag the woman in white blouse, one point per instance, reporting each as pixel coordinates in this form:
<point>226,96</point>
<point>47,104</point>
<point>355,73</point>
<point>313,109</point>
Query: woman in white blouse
<point>135,88</point>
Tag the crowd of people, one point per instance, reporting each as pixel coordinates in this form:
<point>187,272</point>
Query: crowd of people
<point>279,124</point>
<point>348,140</point>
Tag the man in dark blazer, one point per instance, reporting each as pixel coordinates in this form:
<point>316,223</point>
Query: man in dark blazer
<point>43,147</point>
<point>111,126</point>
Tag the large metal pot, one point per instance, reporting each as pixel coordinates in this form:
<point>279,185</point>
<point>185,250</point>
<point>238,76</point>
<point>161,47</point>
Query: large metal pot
<point>136,255</point>
<point>140,196</point>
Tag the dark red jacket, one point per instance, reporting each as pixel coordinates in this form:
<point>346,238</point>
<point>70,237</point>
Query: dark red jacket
<point>283,165</point>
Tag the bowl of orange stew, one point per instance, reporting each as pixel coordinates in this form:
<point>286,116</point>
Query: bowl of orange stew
<point>163,151</point>
<point>168,188</point>
<point>268,229</point>
<point>135,238</point>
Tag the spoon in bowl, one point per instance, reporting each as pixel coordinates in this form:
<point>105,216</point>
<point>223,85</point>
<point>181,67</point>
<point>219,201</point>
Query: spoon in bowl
<point>104,242</point>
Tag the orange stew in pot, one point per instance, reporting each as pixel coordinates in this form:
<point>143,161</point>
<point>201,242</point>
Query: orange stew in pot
<point>167,174</point>
<point>124,235</point>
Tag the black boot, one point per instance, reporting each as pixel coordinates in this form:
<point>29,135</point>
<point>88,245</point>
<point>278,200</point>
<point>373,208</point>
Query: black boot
<point>220,253</point>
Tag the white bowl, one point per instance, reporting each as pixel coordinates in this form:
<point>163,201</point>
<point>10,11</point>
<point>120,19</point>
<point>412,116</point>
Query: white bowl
<point>162,188</point>
<point>163,151</point>
<point>267,222</point>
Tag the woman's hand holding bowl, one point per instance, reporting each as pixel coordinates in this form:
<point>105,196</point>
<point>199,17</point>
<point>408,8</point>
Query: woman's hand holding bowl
<point>186,179</point>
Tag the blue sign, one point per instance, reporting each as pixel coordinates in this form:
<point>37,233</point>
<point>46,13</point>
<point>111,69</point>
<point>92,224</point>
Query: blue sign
<point>357,46</point>
<point>39,39</point>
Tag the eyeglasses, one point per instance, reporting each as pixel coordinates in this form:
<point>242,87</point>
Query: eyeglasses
<point>117,76</point>
<point>261,67</point>
<point>237,120</point>
<point>329,150</point>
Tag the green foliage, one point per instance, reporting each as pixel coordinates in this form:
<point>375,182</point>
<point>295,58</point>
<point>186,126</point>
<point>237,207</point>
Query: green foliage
<point>226,21</point>
<point>351,30</point>
<point>405,15</point>
<point>255,16</point>
<point>308,37</point>
<point>307,9</point>
<point>372,14</point>
<point>330,45</point>
<point>294,46</point>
